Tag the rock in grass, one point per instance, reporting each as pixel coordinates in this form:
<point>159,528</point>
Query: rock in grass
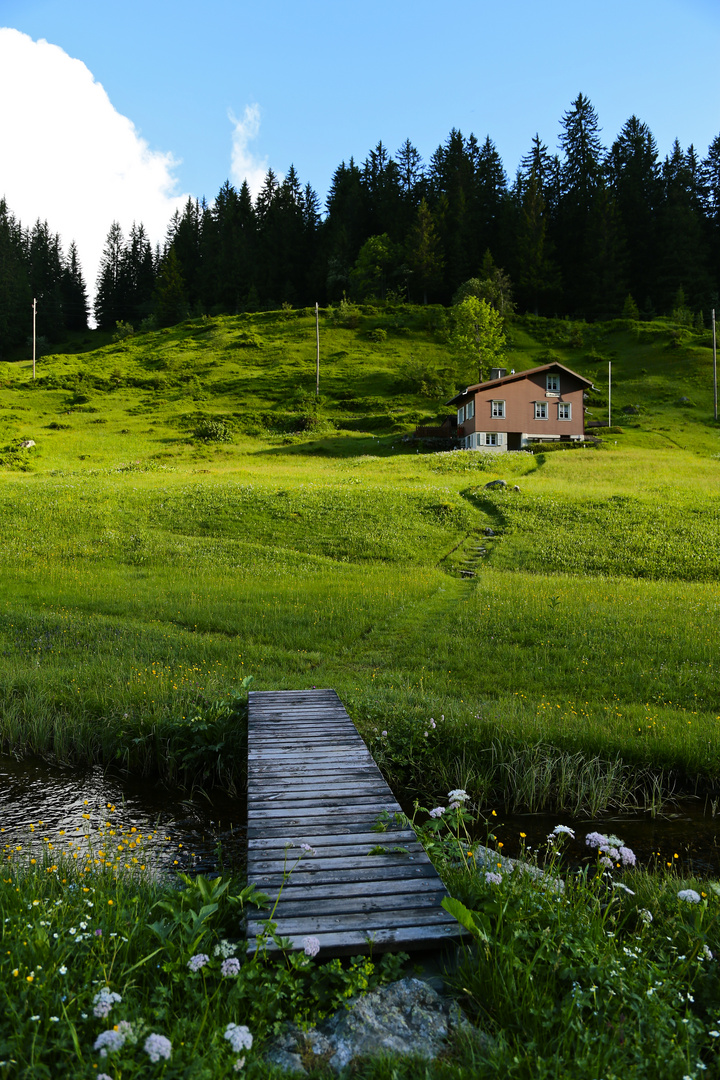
<point>495,484</point>
<point>407,1018</point>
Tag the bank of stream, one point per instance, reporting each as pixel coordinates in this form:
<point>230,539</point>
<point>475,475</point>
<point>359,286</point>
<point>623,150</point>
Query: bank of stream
<point>206,832</point>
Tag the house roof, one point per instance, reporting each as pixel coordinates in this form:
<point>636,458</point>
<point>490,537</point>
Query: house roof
<point>459,398</point>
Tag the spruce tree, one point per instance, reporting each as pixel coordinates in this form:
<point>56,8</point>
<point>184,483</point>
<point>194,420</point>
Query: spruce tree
<point>108,299</point>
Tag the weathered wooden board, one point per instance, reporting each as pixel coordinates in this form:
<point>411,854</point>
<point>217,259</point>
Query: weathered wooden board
<point>312,780</point>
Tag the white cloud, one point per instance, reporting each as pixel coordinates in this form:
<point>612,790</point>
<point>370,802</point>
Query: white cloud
<point>245,164</point>
<point>68,157</point>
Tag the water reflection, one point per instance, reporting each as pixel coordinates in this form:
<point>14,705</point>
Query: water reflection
<point>686,836</point>
<point>190,834</point>
<point>210,834</point>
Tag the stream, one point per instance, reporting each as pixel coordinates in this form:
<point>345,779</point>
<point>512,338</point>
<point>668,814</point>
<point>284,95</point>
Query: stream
<point>42,803</point>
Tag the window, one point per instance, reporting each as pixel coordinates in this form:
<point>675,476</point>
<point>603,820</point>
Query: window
<point>461,414</point>
<point>541,412</point>
<point>469,410</point>
<point>497,409</point>
<point>552,384</point>
<point>564,410</point>
<point>491,438</point>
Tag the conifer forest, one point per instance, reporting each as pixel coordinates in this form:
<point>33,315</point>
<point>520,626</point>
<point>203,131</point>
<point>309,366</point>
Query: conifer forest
<point>589,232</point>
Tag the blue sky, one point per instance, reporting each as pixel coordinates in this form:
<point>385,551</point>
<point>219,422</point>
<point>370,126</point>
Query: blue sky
<point>324,81</point>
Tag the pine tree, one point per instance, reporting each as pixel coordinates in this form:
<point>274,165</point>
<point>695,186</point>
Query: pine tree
<point>171,304</point>
<point>683,243</point>
<point>537,273</point>
<point>633,175</point>
<point>580,178</point>
<point>345,228</point>
<point>74,293</point>
<point>15,292</point>
<point>423,253</point>
<point>108,300</point>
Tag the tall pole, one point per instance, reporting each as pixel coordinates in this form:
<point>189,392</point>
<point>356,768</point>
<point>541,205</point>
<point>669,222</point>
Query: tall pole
<point>715,407</point>
<point>609,393</point>
<point>34,335</point>
<point>317,357</point>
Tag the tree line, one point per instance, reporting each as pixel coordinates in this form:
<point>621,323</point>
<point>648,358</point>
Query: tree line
<point>32,265</point>
<point>588,232</point>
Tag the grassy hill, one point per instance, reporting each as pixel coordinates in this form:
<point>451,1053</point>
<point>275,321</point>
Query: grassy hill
<point>190,514</point>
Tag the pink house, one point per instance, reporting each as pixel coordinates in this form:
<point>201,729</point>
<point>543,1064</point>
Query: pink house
<point>511,412</point>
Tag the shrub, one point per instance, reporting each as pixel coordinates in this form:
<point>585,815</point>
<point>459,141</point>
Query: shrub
<point>213,431</point>
<point>123,330</point>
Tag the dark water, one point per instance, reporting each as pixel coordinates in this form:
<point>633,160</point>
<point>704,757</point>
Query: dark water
<point>686,835</point>
<point>202,834</point>
<point>37,801</point>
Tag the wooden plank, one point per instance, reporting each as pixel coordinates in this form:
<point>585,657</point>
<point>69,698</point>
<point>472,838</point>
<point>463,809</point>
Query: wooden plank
<point>335,890</point>
<point>312,780</point>
<point>353,904</point>
<point>337,943</point>
<point>359,841</point>
<point>372,920</point>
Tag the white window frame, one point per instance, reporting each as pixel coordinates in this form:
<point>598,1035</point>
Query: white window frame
<point>497,410</point>
<point>492,438</point>
<point>552,384</point>
<point>461,414</point>
<point>564,407</point>
<point>469,410</point>
<point>541,410</point>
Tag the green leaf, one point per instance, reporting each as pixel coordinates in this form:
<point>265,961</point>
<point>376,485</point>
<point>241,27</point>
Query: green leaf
<point>465,917</point>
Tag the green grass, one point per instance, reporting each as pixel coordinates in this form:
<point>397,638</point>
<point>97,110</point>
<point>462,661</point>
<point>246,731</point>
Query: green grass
<point>567,972</point>
<point>146,570</point>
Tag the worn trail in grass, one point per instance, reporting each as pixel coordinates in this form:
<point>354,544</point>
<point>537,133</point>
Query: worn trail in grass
<point>144,569</point>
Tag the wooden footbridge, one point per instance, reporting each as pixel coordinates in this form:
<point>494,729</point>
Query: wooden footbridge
<point>312,781</point>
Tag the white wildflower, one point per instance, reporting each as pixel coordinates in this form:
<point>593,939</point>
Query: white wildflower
<point>311,946</point>
<point>239,1037</point>
<point>225,949</point>
<point>111,1040</point>
<point>198,961</point>
<point>689,895</point>
<point>157,1046</point>
<point>104,1001</point>
<point>458,795</point>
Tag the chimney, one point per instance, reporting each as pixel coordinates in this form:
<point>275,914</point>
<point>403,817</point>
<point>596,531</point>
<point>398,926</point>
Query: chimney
<point>497,373</point>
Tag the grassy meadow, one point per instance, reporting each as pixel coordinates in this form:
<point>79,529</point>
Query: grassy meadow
<point>191,515</point>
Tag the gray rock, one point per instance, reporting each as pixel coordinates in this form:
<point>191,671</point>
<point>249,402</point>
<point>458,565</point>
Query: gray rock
<point>407,1017</point>
<point>631,410</point>
<point>495,484</point>
<point>516,487</point>
<point>488,531</point>
<point>488,860</point>
<point>27,443</point>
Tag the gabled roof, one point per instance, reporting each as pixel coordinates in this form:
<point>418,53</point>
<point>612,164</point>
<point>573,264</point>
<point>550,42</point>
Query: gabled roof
<point>459,398</point>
